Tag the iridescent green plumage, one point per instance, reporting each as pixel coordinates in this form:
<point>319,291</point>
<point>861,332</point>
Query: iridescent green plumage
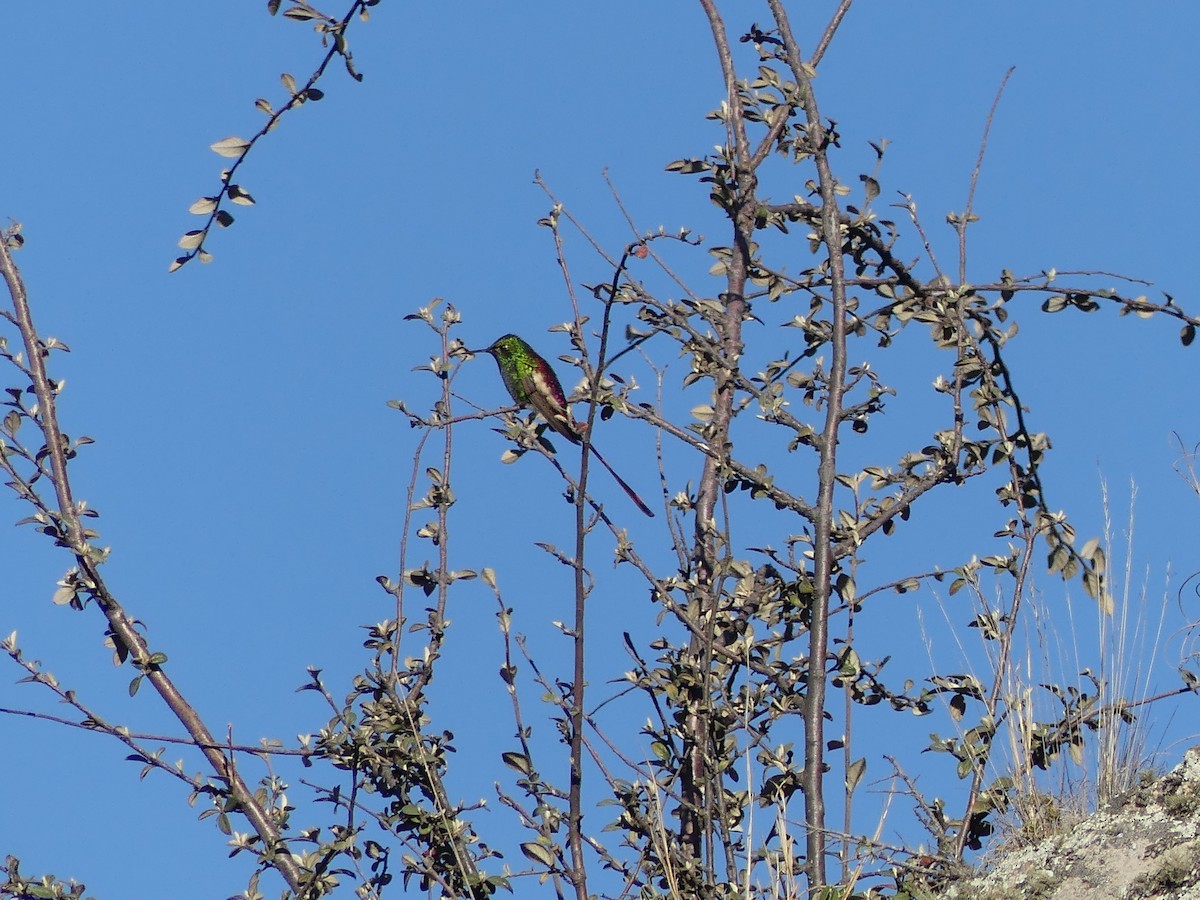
<point>532,383</point>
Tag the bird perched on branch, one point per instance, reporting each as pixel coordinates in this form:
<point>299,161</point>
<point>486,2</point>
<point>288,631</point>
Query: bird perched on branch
<point>532,383</point>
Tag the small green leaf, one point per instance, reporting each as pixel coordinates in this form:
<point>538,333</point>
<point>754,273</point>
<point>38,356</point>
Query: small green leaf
<point>240,196</point>
<point>958,707</point>
<point>301,14</point>
<point>688,166</point>
<point>871,186</point>
<point>849,664</point>
<point>538,854</point>
<point>854,774</point>
<point>517,761</point>
<point>203,206</point>
<point>1059,557</point>
<point>230,146</point>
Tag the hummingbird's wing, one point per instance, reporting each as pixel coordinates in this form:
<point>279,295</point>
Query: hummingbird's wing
<point>545,394</point>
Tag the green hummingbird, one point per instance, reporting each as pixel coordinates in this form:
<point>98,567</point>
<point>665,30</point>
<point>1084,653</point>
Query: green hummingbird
<point>532,383</point>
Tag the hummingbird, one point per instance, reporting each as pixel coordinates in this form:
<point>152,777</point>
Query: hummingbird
<point>532,383</point>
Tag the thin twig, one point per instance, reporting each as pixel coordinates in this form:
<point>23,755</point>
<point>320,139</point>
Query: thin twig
<point>98,726</point>
<point>966,215</point>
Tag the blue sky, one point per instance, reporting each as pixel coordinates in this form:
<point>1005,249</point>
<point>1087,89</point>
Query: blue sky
<point>249,473</point>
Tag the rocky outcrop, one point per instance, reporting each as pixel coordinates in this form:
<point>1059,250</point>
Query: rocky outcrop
<point>1144,845</point>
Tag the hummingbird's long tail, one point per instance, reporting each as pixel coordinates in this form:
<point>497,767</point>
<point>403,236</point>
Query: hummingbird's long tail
<point>621,481</point>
